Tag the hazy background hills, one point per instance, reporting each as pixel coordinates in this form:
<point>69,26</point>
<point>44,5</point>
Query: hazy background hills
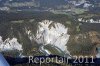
<point>45,3</point>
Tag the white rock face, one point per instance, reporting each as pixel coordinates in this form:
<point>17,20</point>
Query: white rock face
<point>88,20</point>
<point>53,33</point>
<point>10,44</point>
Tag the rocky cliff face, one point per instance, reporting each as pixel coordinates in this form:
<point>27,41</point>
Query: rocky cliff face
<point>25,36</point>
<point>14,37</point>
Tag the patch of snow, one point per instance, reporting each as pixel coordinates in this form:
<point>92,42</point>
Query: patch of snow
<point>80,19</point>
<point>10,44</point>
<point>86,5</point>
<point>77,3</point>
<point>88,20</point>
<point>28,32</point>
<point>30,35</point>
<point>52,33</point>
<point>4,8</point>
